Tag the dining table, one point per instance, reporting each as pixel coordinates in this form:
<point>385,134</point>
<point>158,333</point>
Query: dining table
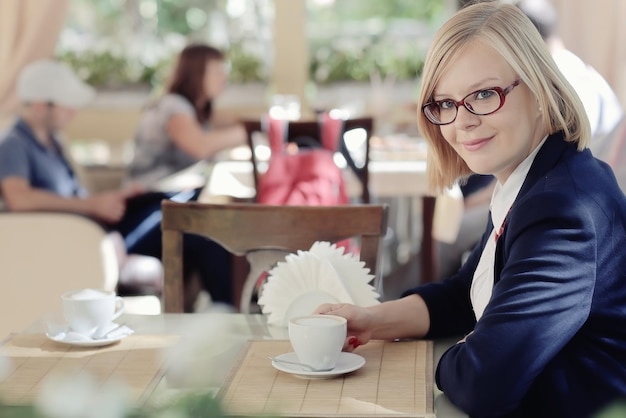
<point>226,355</point>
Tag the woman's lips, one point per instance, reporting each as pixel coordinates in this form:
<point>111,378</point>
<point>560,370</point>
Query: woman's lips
<point>475,145</point>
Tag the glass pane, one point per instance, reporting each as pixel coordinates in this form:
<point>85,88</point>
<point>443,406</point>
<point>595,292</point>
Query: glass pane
<point>120,42</point>
<point>353,39</point>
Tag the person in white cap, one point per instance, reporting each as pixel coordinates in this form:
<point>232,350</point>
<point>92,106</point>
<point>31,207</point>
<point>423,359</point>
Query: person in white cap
<point>601,103</point>
<point>35,174</point>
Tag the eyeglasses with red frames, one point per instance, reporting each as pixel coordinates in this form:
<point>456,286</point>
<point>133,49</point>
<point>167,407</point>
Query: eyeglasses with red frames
<point>480,102</point>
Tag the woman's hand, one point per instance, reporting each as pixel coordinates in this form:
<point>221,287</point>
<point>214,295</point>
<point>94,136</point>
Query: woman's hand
<point>407,317</point>
<point>359,322</point>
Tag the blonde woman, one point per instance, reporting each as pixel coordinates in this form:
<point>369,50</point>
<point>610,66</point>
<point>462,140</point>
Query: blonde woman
<point>541,301</point>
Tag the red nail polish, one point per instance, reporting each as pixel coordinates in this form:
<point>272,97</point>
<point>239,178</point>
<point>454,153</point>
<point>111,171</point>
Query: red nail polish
<point>353,340</point>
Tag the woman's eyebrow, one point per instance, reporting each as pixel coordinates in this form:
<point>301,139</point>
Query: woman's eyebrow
<point>493,82</point>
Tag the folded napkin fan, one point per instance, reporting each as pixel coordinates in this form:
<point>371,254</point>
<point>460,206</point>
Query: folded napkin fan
<point>305,280</point>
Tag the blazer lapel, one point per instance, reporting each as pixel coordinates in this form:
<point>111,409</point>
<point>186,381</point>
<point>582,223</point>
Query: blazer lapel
<point>547,157</point>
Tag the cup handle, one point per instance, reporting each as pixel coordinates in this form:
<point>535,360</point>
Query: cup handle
<point>119,303</point>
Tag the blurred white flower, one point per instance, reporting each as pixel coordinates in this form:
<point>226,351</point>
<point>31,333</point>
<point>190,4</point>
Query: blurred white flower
<point>82,396</point>
<point>204,354</point>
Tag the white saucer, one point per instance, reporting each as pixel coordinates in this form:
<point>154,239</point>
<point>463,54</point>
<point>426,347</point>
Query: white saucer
<point>66,336</point>
<point>347,362</point>
<point>61,338</point>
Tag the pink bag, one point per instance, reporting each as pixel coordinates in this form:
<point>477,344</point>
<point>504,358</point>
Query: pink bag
<point>306,177</point>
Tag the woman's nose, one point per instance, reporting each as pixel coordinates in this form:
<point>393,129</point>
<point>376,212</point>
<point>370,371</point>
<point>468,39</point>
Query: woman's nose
<point>465,118</point>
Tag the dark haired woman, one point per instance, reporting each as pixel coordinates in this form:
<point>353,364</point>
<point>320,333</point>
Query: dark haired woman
<point>182,128</point>
<point>175,132</point>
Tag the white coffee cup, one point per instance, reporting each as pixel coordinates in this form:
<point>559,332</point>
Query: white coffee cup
<point>88,309</point>
<point>318,339</point>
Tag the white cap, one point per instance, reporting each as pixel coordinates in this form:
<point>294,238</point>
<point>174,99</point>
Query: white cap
<point>52,81</point>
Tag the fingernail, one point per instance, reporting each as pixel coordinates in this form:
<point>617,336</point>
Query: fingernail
<point>354,342</point>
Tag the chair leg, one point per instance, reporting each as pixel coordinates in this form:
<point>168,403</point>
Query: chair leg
<point>240,272</point>
<point>246,293</point>
<point>173,290</point>
<point>193,287</point>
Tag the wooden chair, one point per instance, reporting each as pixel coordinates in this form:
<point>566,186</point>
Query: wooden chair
<point>311,129</point>
<point>265,234</point>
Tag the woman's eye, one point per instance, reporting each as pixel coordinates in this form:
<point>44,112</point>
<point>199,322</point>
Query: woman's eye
<point>484,94</point>
<point>446,104</point>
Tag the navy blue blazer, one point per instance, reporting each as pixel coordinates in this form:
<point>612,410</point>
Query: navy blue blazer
<point>552,340</point>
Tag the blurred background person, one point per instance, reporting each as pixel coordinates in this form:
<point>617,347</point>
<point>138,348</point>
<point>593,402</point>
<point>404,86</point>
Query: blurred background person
<point>182,126</point>
<point>176,131</point>
<point>601,103</point>
<point>34,171</point>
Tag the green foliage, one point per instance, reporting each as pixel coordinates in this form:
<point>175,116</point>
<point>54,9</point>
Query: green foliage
<point>353,39</point>
<point>245,67</point>
<point>98,69</point>
<point>191,406</point>
<point>172,15</point>
<point>26,411</point>
<point>197,405</point>
<point>349,39</point>
<point>329,64</point>
<point>359,10</point>
<point>107,70</point>
<point>615,410</point>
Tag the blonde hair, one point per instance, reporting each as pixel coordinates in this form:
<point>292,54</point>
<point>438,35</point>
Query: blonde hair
<point>506,29</point>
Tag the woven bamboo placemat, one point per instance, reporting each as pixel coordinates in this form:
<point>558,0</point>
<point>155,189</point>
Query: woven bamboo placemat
<point>396,380</point>
<point>136,361</point>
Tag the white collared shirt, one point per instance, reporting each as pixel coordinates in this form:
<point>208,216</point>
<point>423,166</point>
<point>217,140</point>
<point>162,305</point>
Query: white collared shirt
<point>501,201</point>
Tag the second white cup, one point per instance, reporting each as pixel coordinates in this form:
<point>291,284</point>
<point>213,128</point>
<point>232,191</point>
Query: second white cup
<point>318,339</point>
<point>88,309</point>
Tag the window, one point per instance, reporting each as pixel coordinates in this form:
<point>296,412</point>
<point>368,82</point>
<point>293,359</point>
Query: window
<point>354,39</point>
<point>115,43</point>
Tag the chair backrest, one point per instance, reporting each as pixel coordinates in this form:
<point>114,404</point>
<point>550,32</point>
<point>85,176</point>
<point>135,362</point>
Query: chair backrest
<point>265,234</point>
<point>311,129</point>
<point>43,255</point>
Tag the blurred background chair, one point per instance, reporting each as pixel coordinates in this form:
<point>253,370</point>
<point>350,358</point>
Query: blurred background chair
<point>43,255</point>
<point>353,145</point>
<point>265,234</point>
